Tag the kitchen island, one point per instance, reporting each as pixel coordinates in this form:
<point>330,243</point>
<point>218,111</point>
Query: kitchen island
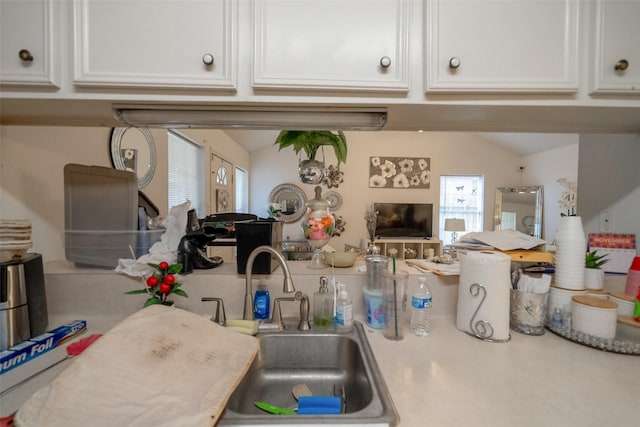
<point>447,379</point>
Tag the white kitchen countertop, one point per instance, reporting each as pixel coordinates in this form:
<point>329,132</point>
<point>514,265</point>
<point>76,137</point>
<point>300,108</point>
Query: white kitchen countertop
<point>447,379</point>
<point>453,379</point>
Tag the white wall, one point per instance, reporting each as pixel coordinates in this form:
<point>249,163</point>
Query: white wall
<point>32,159</point>
<point>545,169</point>
<point>609,179</point>
<point>450,153</point>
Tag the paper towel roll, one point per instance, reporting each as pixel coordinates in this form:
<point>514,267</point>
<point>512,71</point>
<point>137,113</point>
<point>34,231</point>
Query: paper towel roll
<point>484,274</point>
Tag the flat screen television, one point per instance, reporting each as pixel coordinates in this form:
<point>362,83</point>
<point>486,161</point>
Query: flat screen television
<point>404,220</point>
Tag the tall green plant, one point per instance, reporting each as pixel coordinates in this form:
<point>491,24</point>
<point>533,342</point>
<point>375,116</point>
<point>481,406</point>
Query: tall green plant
<point>311,140</point>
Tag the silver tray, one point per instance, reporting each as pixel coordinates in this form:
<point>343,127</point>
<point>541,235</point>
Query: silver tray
<point>618,344</point>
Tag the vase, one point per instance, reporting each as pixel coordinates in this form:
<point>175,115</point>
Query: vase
<point>571,246</point>
<point>318,225</point>
<point>593,278</point>
<point>311,171</point>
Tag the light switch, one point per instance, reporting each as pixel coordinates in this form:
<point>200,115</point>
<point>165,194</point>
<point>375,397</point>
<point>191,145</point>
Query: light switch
<point>606,221</point>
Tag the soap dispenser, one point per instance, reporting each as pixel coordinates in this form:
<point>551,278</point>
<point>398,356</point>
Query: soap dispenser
<point>323,306</point>
<point>261,302</point>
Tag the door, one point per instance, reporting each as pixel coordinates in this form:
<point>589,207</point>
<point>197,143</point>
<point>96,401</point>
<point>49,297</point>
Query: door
<point>221,184</point>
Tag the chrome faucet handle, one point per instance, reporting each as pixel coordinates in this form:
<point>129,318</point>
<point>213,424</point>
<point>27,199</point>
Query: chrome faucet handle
<point>220,317</point>
<point>304,324</point>
<point>276,317</point>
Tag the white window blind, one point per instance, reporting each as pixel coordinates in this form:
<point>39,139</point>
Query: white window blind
<point>186,173</point>
<point>461,196</point>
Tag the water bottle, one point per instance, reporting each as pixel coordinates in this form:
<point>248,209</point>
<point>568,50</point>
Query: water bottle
<point>421,308</point>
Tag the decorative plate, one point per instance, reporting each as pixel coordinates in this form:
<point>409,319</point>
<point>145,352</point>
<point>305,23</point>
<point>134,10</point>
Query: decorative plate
<point>335,200</point>
<point>294,199</point>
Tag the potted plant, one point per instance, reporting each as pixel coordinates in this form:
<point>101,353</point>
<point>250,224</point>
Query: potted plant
<point>312,171</point>
<point>593,273</point>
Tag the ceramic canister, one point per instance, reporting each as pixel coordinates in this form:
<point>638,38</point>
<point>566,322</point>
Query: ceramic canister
<point>594,316</point>
<point>626,303</point>
<point>561,298</point>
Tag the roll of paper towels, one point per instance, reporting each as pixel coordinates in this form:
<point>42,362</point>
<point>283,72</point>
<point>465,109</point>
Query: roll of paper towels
<point>483,295</point>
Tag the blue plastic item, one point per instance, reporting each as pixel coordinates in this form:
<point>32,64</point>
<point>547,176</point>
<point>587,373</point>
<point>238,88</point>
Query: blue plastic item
<point>261,303</point>
<point>319,405</point>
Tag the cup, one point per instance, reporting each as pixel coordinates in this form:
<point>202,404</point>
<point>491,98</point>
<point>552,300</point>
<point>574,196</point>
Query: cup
<point>528,312</point>
<point>376,264</point>
<point>373,308</point>
<point>633,278</point>
<point>393,297</point>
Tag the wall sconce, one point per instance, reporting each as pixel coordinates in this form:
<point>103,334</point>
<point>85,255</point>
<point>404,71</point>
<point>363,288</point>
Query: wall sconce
<point>454,225</point>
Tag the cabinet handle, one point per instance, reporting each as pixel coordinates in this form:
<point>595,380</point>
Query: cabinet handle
<point>207,58</point>
<point>25,55</point>
<point>622,65</point>
<point>454,62</point>
<point>385,62</point>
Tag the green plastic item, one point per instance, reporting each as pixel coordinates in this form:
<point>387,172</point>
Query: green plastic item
<point>274,409</point>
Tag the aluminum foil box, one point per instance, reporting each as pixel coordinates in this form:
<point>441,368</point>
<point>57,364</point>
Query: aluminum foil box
<point>37,346</point>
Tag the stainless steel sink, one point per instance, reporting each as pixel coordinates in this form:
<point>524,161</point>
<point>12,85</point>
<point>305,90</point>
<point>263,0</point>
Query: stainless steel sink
<point>325,362</point>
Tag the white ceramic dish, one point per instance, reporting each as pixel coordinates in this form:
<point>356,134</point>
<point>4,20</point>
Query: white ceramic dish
<point>594,316</point>
<point>340,259</point>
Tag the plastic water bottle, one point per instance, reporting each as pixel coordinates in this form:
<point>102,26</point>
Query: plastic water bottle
<point>421,309</point>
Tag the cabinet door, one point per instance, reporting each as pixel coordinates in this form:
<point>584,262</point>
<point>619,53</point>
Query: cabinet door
<point>617,47</point>
<point>155,44</point>
<point>502,46</point>
<point>28,31</point>
<point>331,44</point>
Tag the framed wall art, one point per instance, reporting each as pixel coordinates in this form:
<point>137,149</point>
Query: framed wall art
<point>399,172</point>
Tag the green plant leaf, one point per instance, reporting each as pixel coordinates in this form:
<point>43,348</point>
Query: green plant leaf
<point>152,301</point>
<point>179,292</point>
<point>310,141</point>
<point>137,291</point>
<point>593,260</point>
<point>175,269</point>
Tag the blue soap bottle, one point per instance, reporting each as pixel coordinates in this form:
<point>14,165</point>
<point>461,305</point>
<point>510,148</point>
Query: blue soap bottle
<point>261,302</point>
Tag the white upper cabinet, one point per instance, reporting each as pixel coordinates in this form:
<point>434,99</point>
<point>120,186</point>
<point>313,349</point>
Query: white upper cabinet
<point>493,46</point>
<point>616,47</point>
<point>331,45</point>
<point>28,31</point>
<point>187,44</point>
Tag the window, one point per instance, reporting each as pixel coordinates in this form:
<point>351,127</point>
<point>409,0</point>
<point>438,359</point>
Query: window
<point>242,190</point>
<point>508,220</point>
<point>461,196</point>
<point>186,172</point>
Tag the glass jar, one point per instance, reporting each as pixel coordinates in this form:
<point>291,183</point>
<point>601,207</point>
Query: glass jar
<point>318,225</point>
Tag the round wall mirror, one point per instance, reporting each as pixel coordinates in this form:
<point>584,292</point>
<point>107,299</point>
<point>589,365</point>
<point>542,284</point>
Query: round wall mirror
<point>133,149</point>
<point>292,201</point>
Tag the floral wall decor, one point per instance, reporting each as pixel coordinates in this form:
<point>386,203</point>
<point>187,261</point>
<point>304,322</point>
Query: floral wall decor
<point>399,172</point>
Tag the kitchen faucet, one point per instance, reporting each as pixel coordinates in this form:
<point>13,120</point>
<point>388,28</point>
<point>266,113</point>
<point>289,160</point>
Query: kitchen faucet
<point>287,284</point>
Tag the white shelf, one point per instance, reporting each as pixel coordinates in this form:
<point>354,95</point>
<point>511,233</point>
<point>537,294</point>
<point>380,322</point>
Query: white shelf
<point>419,245</point>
